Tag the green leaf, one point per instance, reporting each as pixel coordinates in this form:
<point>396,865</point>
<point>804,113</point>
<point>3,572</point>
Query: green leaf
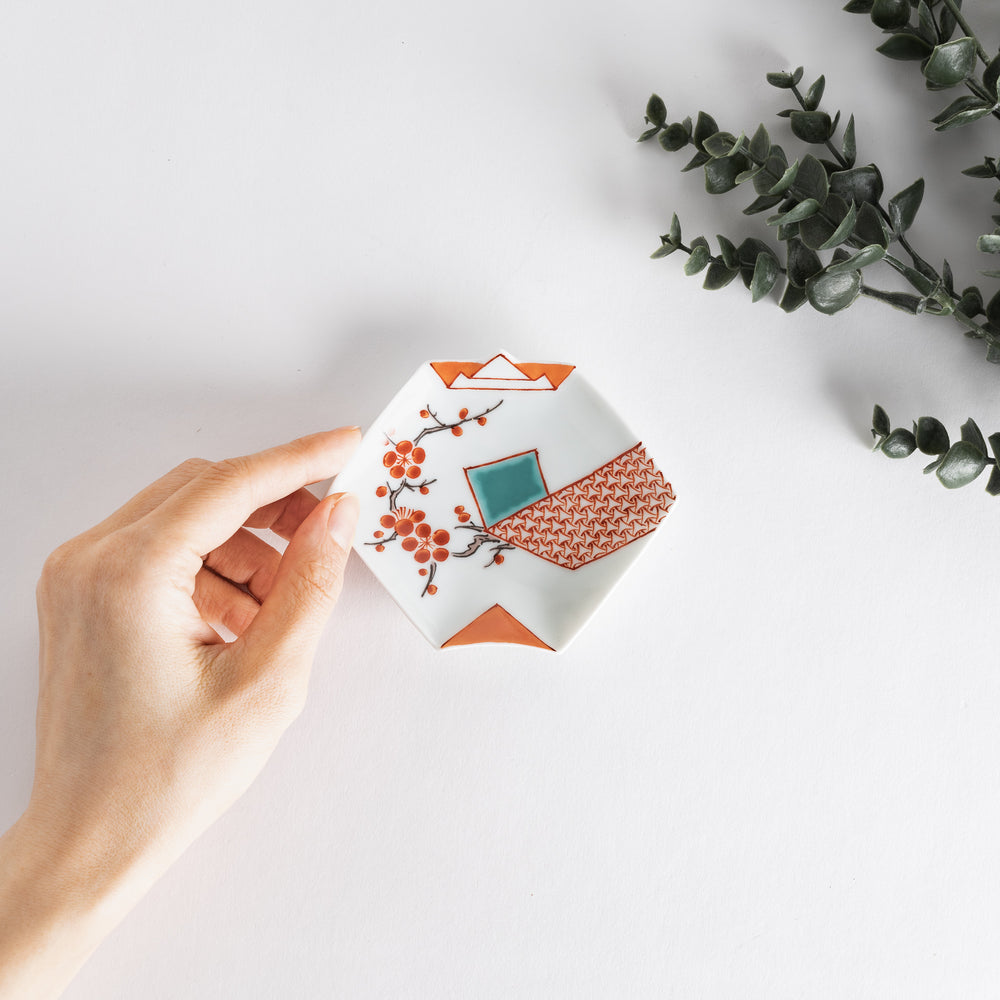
<point>783,81</point>
<point>993,354</point>
<point>748,251</point>
<point>905,46</point>
<point>989,244</point>
<point>801,211</point>
<point>749,175</point>
<point>986,170</point>
<point>880,422</point>
<point>787,232</point>
<point>721,174</point>
<point>786,180</point>
<point>971,114</point>
<point>991,76</point>
<point>959,104</point>
<point>961,465</point>
<point>802,264</point>
<point>674,137</point>
<point>811,180</point>
<point>869,255</point>
<point>698,160</point>
<point>920,282</point>
<point>871,228</point>
<point>762,204</point>
<point>849,149</point>
<point>792,298</point>
<point>947,23</point>
<point>765,274</point>
<point>675,229</point>
<point>843,232</point>
<point>899,444</point>
<point>719,276</point>
<point>859,185</point>
<point>903,207</point>
<point>760,145</point>
<point>774,168</point>
<point>925,23</point>
<point>698,260</point>
<point>814,95</point>
<point>829,293</point>
<point>704,127</point>
<point>719,144</point>
<point>648,134</point>
<point>993,486</point>
<point>994,440</point>
<point>904,301</point>
<point>973,435</point>
<point>729,255</point>
<point>971,302</point>
<point>811,126</point>
<point>656,111</point>
<point>859,6</point>
<point>950,63</point>
<point>663,250</point>
<point>932,436</point>
<point>814,232</point>
<point>993,309</point>
<point>891,14</point>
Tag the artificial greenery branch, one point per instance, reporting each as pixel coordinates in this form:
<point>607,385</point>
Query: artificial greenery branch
<point>955,464</point>
<point>829,212</point>
<point>922,34</point>
<point>822,205</point>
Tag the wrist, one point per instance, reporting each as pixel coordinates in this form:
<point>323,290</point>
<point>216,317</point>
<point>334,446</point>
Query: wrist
<point>59,898</point>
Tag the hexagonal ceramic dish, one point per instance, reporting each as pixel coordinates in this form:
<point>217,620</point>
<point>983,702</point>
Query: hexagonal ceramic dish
<point>501,501</point>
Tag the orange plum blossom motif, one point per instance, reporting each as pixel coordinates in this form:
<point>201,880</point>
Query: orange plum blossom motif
<point>403,462</point>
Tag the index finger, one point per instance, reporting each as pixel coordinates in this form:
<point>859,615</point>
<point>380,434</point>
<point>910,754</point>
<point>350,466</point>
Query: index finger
<point>214,504</point>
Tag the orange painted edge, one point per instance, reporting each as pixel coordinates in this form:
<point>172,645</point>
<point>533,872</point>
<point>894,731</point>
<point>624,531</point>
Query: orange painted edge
<point>496,624</point>
<point>448,371</point>
<point>557,374</point>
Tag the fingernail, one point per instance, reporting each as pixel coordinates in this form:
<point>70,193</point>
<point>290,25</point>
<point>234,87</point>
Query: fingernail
<point>343,519</point>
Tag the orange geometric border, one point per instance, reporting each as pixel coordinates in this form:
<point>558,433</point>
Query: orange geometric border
<point>448,371</point>
<point>496,624</point>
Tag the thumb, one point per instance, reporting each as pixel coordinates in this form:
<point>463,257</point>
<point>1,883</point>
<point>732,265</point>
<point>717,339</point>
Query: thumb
<point>307,583</point>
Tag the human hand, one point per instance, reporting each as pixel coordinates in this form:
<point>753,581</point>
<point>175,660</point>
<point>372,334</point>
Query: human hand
<point>149,724</point>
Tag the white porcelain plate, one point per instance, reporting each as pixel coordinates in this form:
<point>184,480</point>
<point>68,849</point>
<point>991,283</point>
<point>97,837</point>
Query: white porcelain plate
<point>501,501</point>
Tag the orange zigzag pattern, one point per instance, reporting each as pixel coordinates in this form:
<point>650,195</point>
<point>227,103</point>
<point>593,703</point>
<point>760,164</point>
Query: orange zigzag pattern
<point>595,516</point>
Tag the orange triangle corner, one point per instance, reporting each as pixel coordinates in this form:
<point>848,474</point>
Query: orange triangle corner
<point>556,374</point>
<point>496,625</point>
<point>448,371</point>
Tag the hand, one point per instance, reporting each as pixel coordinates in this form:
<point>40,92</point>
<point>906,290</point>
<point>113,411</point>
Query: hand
<point>150,724</point>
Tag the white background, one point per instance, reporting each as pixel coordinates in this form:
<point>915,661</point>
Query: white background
<point>769,767</point>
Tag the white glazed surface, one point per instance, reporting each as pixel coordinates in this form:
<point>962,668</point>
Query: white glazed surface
<point>573,430</point>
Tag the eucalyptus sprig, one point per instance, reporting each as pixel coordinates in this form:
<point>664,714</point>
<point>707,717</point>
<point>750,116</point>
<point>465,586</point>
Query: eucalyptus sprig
<point>923,31</point>
<point>829,212</point>
<point>822,204</point>
<point>955,464</point>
